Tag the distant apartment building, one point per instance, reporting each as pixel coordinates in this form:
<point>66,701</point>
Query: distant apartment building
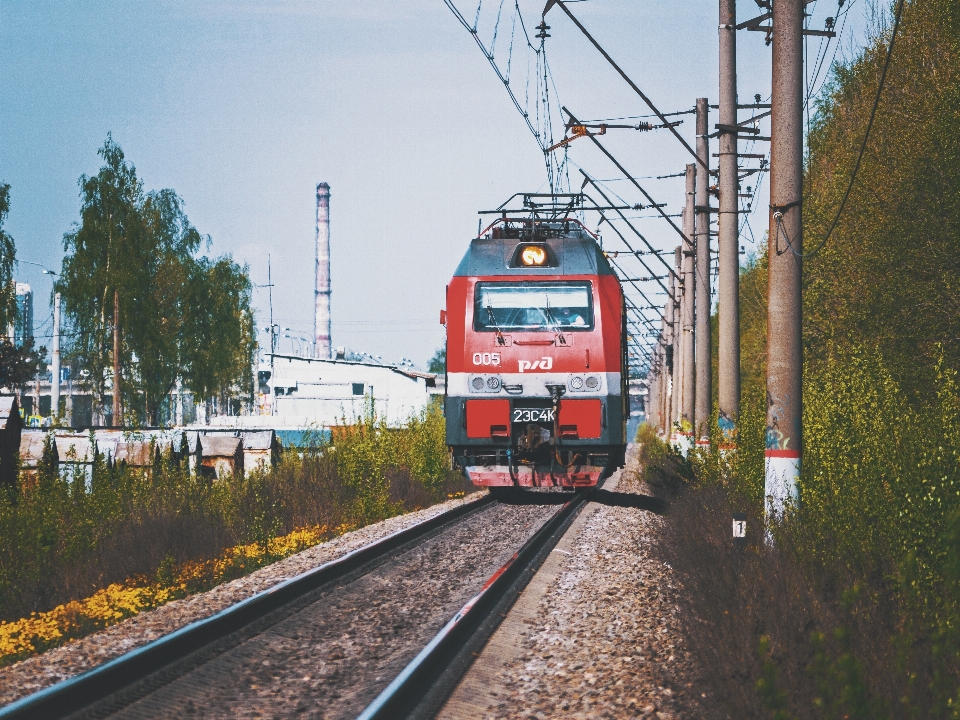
<point>22,329</point>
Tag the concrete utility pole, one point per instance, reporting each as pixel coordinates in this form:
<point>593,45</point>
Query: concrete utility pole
<point>117,421</point>
<point>728,286</point>
<point>677,340</point>
<point>55,369</point>
<point>664,411</point>
<point>703,415</point>
<point>653,392</point>
<point>689,369</point>
<point>670,362</point>
<point>785,246</point>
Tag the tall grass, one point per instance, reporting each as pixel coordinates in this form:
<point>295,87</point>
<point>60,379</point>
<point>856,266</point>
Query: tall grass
<point>851,608</point>
<point>61,540</point>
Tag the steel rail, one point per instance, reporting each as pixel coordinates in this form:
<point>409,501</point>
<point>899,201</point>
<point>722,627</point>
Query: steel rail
<point>420,690</point>
<point>93,686</point>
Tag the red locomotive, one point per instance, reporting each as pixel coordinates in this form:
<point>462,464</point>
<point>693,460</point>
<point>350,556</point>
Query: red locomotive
<point>536,390</point>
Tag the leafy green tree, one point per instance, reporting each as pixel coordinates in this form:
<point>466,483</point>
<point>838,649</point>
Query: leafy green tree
<point>18,364</point>
<point>160,307</point>
<point>438,363</point>
<point>103,254</point>
<point>890,276</point>
<point>180,317</point>
<point>8,255</point>
<point>220,343</point>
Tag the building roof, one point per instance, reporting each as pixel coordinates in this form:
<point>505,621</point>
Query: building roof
<point>220,445</point>
<point>75,447</point>
<point>10,412</point>
<point>31,448</point>
<point>136,453</point>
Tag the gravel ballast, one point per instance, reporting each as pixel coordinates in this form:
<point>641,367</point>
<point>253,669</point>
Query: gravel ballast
<point>598,637</point>
<point>331,658</point>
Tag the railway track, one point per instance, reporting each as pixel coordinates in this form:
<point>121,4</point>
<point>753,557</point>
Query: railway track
<point>333,637</point>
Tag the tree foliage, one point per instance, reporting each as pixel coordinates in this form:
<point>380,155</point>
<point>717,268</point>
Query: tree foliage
<point>890,276</point>
<point>178,313</point>
<point>874,546</point>
<point>438,363</point>
<point>8,255</point>
<point>19,364</point>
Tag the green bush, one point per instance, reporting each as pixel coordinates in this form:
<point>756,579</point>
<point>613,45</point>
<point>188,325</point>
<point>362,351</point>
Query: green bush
<point>63,538</point>
<point>852,605</point>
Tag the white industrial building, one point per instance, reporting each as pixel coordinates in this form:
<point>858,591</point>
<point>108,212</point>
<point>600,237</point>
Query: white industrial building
<point>302,392</point>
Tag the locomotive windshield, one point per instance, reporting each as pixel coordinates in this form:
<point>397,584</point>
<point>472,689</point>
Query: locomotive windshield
<point>533,306</point>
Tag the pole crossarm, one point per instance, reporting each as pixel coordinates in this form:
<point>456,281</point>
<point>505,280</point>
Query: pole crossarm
<point>626,78</point>
<point>628,176</point>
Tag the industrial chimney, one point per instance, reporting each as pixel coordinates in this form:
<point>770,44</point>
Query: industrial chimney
<point>321,318</point>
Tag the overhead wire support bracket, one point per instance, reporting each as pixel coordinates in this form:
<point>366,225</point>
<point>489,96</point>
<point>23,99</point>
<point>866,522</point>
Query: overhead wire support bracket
<point>646,242</point>
<point>580,130</point>
<point>735,129</point>
<point>633,85</point>
<point>637,185</point>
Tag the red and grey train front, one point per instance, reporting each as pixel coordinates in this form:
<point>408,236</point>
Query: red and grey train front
<point>535,393</point>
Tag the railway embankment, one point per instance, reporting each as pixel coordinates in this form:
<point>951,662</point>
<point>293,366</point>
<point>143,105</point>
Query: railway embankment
<point>597,632</point>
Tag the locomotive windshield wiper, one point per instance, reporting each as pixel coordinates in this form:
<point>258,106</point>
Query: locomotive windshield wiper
<point>554,325</point>
<point>493,320</point>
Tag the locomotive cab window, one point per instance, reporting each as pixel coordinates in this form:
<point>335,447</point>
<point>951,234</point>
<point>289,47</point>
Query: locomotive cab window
<point>533,306</point>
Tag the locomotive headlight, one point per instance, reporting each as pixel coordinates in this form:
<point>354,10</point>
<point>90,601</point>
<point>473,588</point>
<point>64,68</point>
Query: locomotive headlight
<point>477,384</point>
<point>576,382</point>
<point>593,382</point>
<point>493,382</point>
<point>533,255</point>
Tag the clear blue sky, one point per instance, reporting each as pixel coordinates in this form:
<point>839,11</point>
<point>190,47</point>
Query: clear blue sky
<point>243,107</point>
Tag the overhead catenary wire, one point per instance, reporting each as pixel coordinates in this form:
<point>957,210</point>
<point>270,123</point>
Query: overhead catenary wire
<point>655,205</point>
<point>633,85</point>
<point>543,133</point>
<point>646,242</point>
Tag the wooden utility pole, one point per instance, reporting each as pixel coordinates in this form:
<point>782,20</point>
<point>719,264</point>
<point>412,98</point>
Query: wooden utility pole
<point>728,262</point>
<point>703,414</point>
<point>784,443</point>
<point>687,303</point>
<point>117,412</point>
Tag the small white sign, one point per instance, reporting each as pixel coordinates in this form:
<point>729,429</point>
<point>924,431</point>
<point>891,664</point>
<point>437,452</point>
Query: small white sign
<point>739,528</point>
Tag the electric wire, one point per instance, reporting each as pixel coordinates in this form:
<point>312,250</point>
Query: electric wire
<point>863,147</point>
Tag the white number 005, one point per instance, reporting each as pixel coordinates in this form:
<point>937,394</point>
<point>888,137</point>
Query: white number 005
<point>486,358</point>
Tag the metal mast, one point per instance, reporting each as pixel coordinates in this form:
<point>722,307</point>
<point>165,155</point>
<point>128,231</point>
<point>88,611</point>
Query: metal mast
<point>55,369</point>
